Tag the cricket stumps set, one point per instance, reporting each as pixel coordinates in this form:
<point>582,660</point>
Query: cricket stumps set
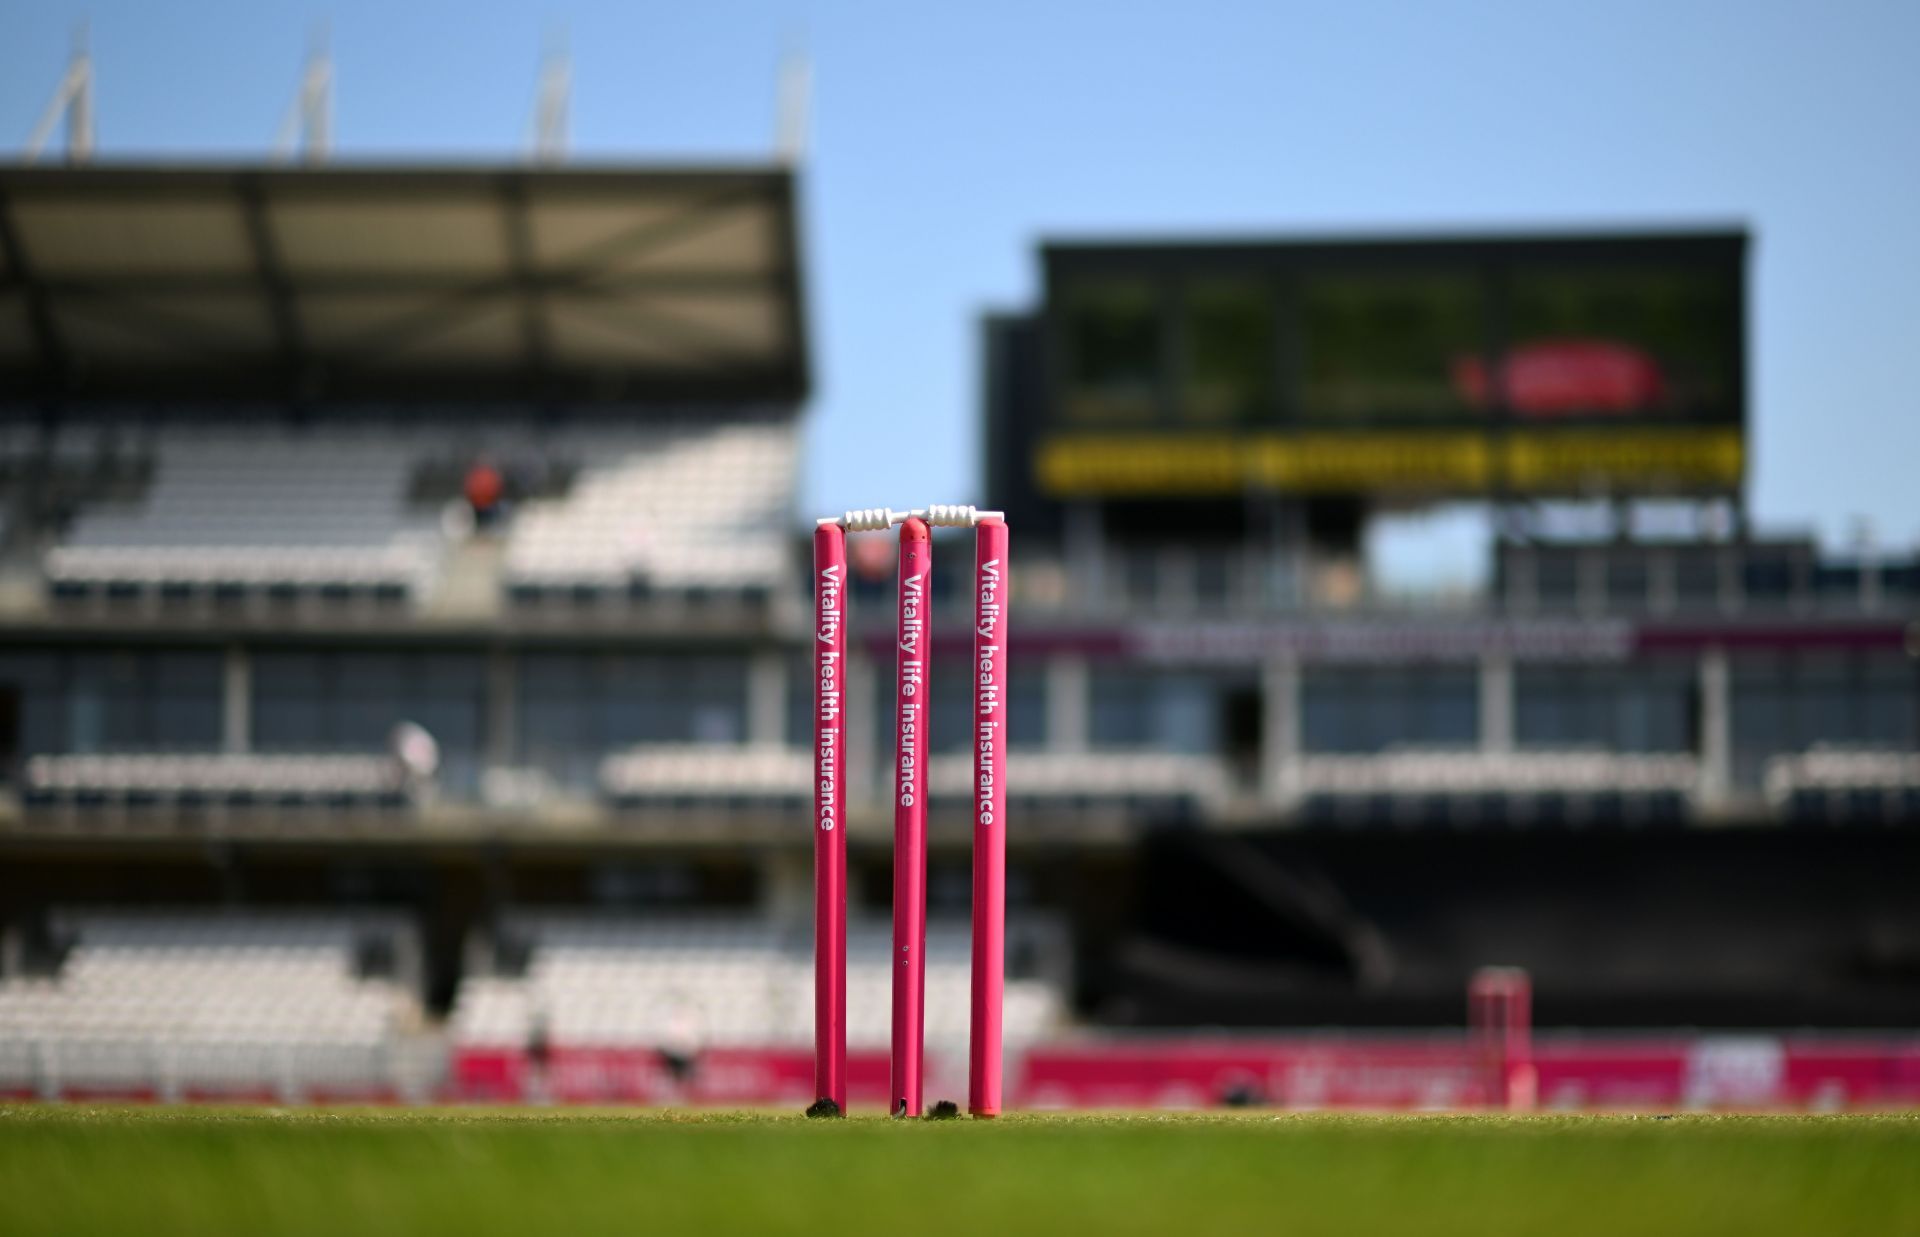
<point>908,790</point>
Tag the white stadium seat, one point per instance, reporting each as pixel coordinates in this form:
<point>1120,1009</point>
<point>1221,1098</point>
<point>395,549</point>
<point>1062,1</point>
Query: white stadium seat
<point>182,1004</point>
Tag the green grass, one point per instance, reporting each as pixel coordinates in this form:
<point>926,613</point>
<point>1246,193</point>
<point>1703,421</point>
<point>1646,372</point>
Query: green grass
<point>162,1171</point>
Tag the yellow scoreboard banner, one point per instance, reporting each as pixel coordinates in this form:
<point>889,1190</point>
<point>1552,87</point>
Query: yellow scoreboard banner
<point>1681,459</point>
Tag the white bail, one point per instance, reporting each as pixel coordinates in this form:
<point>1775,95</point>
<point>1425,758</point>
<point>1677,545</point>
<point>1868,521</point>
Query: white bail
<point>954,515</point>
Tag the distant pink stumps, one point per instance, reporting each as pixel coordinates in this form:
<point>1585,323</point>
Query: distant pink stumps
<point>986,804</point>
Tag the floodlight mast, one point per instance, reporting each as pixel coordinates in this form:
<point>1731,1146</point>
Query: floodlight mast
<point>73,101</point>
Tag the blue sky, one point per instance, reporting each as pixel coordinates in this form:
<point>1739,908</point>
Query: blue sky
<point>947,140</point>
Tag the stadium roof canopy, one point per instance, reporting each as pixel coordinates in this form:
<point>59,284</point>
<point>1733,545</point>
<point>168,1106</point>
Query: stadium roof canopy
<point>402,282</point>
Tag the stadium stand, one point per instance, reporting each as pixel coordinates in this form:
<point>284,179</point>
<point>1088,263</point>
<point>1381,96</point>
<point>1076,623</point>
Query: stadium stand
<point>674,511</point>
<point>193,1005</point>
<point>229,509</point>
<point>1539,787</point>
<point>1841,786</point>
<point>232,506</point>
<point>715,980</point>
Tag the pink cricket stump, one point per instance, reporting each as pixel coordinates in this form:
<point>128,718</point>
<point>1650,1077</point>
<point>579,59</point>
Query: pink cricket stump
<point>989,674</point>
<point>829,816</point>
<point>1500,1021</point>
<point>910,821</point>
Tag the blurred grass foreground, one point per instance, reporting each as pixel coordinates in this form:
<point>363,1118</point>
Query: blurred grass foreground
<point>79,1170</point>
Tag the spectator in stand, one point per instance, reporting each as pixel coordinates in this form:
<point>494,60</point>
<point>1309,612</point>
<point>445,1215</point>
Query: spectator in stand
<point>484,491</point>
<point>539,1060</point>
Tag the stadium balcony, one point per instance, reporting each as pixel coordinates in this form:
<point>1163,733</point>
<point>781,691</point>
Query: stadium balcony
<point>1838,786</point>
<point>211,1005</point>
<point>177,782</point>
<point>1061,788</point>
<point>1760,577</point>
<point>1535,788</point>
<point>1551,580</point>
<point>723,776</point>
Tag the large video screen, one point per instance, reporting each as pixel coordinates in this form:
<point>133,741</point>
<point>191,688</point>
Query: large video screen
<point>1378,344</point>
<point>1635,342</point>
<point>1589,367</point>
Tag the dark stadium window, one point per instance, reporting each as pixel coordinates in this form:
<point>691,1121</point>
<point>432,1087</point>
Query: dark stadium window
<point>951,723</point>
<point>1389,344</point>
<point>1165,710</point>
<point>1838,584</point>
<point>370,696</point>
<point>1614,341</point>
<point>109,710</point>
<point>1608,708</point>
<point>291,707</point>
<point>1767,580</point>
<point>951,691</point>
<point>1627,578</point>
<point>800,689</point>
<point>1696,579</point>
<point>1371,710</point>
<point>1787,704</point>
<point>129,700</point>
<point>651,699</point>
<point>1229,339</point>
<point>1121,704</point>
<point>38,679</point>
<point>1556,579</point>
<point>1212,577</point>
<point>577,707</point>
<point>350,701</point>
<point>9,729</point>
<point>1113,348</point>
<point>1027,708</point>
<point>188,689</point>
<point>559,727</point>
<point>1140,567</point>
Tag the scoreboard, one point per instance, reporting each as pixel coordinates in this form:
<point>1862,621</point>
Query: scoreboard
<point>1528,366</point>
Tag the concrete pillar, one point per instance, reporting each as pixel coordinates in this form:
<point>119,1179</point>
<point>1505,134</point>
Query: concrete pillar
<point>767,698</point>
<point>1279,729</point>
<point>236,701</point>
<point>1069,704</point>
<point>1496,703</point>
<point>1716,727</point>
